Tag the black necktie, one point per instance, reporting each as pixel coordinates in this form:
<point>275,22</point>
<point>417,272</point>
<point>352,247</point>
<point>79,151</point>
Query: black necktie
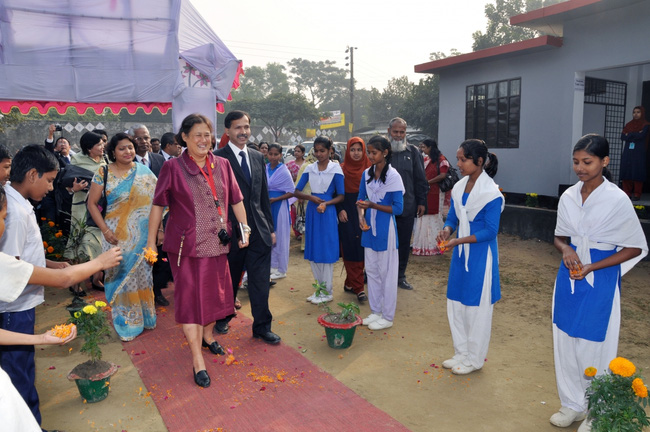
<point>244,166</point>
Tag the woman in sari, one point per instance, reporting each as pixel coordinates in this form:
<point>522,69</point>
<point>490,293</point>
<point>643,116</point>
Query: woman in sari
<point>427,227</point>
<point>281,189</point>
<point>89,246</point>
<point>294,166</point>
<point>129,192</point>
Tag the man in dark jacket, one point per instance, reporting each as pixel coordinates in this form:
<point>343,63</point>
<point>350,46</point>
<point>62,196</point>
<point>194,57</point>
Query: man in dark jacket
<point>408,162</point>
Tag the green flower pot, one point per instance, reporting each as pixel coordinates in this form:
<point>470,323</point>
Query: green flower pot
<point>339,336</point>
<point>93,391</point>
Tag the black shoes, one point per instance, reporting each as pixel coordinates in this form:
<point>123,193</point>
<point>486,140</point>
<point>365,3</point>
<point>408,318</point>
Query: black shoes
<point>215,348</point>
<point>80,293</point>
<point>161,300</point>
<point>201,378</point>
<point>269,337</point>
<point>221,327</point>
<point>404,285</point>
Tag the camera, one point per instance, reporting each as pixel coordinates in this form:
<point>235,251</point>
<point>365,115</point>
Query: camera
<point>224,238</point>
<point>57,128</point>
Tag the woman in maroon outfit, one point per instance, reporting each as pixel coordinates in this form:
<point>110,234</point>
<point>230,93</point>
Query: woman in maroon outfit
<point>198,187</point>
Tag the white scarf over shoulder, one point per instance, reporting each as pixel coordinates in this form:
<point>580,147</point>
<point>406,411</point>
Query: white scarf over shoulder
<point>319,181</point>
<point>483,192</point>
<point>377,190</point>
<point>606,217</point>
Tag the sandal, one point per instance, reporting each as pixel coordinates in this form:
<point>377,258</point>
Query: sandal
<point>347,289</point>
<point>237,304</point>
<point>362,297</point>
<point>80,293</point>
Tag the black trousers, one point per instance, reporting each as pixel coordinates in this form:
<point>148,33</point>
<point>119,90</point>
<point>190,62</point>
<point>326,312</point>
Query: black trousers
<point>256,259</point>
<point>162,272</point>
<point>404,232</point>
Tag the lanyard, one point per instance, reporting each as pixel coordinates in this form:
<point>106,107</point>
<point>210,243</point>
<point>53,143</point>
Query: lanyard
<point>210,180</point>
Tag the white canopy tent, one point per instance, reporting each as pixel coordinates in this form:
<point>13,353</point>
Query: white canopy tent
<point>112,54</point>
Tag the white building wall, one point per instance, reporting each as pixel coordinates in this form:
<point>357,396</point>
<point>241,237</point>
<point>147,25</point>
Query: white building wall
<point>551,111</point>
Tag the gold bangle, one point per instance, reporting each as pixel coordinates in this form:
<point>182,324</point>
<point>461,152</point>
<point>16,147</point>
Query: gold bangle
<point>107,230</point>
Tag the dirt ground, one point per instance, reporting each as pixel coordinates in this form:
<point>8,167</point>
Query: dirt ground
<point>397,370</point>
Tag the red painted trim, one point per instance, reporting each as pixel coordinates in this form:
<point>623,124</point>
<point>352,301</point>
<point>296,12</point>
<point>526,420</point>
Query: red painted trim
<point>549,11</point>
<point>517,47</point>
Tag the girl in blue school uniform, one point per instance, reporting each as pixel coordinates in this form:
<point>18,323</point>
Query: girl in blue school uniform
<point>321,233</point>
<point>473,284</point>
<point>381,198</point>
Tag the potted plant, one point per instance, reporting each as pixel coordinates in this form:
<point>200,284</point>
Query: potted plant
<point>92,377</point>
<point>339,326</point>
<point>617,400</point>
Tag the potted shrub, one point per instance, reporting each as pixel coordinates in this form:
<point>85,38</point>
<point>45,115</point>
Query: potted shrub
<point>92,377</point>
<point>339,326</point>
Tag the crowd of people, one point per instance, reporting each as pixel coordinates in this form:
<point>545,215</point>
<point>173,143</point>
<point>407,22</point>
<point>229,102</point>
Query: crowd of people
<point>218,215</point>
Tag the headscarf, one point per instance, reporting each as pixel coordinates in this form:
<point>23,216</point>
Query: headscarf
<point>353,170</point>
<point>636,125</point>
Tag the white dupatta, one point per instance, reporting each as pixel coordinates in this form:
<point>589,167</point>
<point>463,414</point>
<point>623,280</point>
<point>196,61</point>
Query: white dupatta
<point>483,192</point>
<point>319,181</point>
<point>377,190</point>
<point>606,220</point>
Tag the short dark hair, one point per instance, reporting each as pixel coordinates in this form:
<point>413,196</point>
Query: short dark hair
<point>167,139</point>
<point>476,149</point>
<point>235,115</point>
<point>4,152</point>
<point>32,156</point>
<point>112,144</point>
<point>276,146</point>
<point>324,141</point>
<point>101,132</point>
<point>187,125</point>
<point>88,141</point>
<point>382,144</point>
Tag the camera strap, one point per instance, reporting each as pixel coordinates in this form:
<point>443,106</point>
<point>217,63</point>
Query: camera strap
<point>208,177</point>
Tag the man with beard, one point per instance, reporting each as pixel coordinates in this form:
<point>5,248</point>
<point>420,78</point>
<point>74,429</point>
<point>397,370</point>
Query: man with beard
<point>143,153</point>
<point>248,166</point>
<point>408,162</point>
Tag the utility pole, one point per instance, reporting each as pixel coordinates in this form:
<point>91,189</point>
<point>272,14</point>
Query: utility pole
<point>351,64</point>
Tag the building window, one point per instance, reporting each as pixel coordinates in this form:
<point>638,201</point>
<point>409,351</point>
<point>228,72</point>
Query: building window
<point>492,113</point>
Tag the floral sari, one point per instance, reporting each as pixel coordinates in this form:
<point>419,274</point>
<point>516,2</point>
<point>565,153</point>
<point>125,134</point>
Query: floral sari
<point>129,286</point>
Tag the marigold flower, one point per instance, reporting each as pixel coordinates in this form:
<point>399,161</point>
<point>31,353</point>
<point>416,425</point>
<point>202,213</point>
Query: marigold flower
<point>442,246</point>
<point>622,366</point>
<point>90,309</point>
<point>591,371</point>
<point>62,330</point>
<point>99,304</point>
<point>50,249</point>
<point>639,388</point>
<point>150,255</point>
<point>51,224</point>
<point>58,235</point>
<point>77,314</point>
<point>43,219</point>
<point>44,244</point>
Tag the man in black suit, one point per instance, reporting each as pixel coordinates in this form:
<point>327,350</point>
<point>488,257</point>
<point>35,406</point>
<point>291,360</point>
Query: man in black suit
<point>249,169</point>
<point>143,153</point>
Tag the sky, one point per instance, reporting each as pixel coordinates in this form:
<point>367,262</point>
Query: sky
<point>390,37</point>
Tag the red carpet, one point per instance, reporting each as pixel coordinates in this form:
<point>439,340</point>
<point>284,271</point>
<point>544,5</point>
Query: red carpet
<point>268,388</point>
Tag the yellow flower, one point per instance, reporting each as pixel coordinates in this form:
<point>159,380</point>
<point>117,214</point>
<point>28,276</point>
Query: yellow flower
<point>77,314</point>
<point>51,224</point>
<point>639,388</point>
<point>150,255</point>
<point>99,304</point>
<point>590,371</point>
<point>90,309</point>
<point>622,366</point>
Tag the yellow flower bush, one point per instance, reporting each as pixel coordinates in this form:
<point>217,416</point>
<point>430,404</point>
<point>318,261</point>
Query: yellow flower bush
<point>617,400</point>
<point>622,366</point>
<point>92,326</point>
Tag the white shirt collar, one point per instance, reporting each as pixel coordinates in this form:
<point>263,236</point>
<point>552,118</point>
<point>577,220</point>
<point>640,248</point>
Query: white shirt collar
<point>236,150</point>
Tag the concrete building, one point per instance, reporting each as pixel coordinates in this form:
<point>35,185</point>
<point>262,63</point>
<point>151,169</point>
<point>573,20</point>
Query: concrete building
<point>532,100</point>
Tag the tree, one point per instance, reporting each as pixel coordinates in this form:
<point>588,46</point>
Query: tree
<point>322,81</point>
<point>499,31</point>
<point>279,110</point>
<point>391,101</point>
<point>258,82</point>
<point>10,120</point>
<point>421,107</point>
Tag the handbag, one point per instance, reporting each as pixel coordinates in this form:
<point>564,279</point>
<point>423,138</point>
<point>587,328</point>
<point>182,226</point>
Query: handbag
<point>450,179</point>
<point>102,203</point>
<point>300,218</point>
